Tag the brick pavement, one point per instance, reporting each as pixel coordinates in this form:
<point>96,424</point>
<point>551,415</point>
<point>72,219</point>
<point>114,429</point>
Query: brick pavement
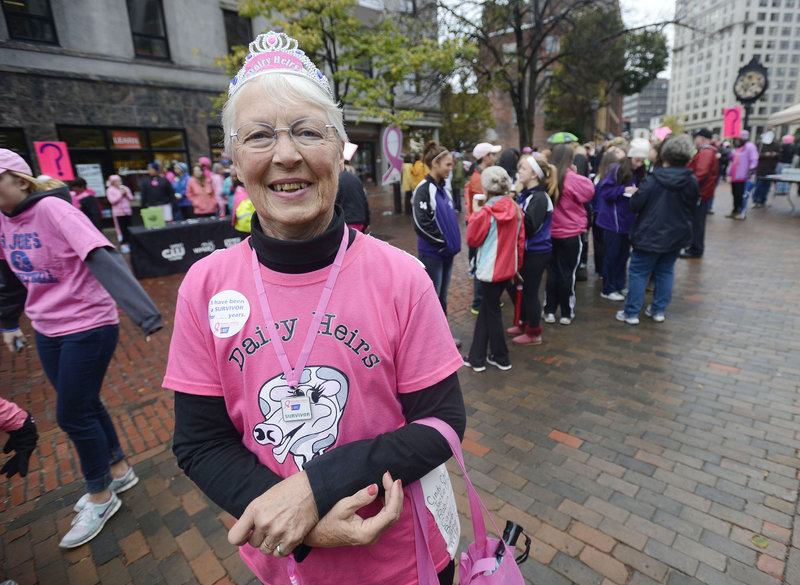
<point>663,453</point>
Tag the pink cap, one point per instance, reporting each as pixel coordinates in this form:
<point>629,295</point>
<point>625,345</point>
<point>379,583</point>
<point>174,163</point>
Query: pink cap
<point>204,160</point>
<point>11,161</point>
<point>788,139</point>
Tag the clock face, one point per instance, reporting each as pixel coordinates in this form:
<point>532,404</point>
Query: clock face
<point>749,85</point>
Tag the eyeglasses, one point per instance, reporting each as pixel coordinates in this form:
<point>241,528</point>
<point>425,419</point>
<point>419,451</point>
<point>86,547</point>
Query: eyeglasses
<point>305,132</point>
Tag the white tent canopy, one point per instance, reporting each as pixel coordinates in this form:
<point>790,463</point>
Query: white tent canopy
<point>787,116</point>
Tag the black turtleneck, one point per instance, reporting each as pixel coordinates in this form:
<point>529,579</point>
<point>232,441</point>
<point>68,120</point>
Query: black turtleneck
<point>210,450</point>
<point>298,257</point>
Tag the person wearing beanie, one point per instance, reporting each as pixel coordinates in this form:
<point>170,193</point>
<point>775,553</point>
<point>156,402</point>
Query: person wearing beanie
<point>485,155</point>
<point>706,168</point>
<point>538,194</point>
<point>157,191</point>
<point>614,216</point>
<point>56,252</point>
<point>497,230</point>
<point>743,167</point>
<point>664,203</point>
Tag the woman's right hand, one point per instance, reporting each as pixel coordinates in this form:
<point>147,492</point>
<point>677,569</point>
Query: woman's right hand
<point>10,337</point>
<point>342,526</point>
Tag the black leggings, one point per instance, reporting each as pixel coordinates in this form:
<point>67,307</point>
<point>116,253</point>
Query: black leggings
<point>448,574</point>
<point>533,266</point>
<point>737,189</point>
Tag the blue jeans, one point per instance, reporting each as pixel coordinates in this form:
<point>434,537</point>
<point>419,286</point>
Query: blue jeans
<point>439,269</point>
<point>76,364</point>
<point>761,192</point>
<point>642,265</point>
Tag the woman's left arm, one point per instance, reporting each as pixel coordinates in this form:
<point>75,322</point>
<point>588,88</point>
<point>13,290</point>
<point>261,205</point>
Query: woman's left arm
<point>108,267</point>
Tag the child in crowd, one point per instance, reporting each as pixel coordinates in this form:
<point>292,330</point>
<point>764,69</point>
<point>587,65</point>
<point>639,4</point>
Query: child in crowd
<point>538,193</point>
<point>496,229</point>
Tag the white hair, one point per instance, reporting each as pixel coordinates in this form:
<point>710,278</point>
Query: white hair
<point>284,90</point>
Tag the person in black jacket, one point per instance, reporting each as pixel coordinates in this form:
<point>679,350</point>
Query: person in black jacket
<point>353,199</point>
<point>157,191</point>
<point>664,202</point>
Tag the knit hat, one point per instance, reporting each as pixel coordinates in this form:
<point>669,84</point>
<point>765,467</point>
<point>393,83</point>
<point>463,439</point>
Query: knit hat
<point>640,148</point>
<point>527,150</point>
<point>788,139</point>
<point>11,161</point>
<point>111,180</point>
<point>495,181</point>
<point>744,135</point>
<point>704,132</point>
<point>484,148</point>
<point>154,165</point>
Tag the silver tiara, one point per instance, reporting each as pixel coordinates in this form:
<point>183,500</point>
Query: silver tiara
<point>276,52</point>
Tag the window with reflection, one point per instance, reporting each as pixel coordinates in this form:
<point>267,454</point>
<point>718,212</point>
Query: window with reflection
<point>148,28</point>
<point>30,20</point>
<point>238,29</point>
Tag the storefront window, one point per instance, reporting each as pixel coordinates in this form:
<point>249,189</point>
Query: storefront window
<point>167,139</point>
<point>83,137</point>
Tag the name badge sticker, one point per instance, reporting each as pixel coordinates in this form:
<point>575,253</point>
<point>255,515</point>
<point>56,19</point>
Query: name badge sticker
<point>228,311</point>
<point>296,408</point>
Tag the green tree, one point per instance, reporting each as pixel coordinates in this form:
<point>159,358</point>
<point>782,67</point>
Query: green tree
<point>364,61</point>
<point>675,123</point>
<point>465,118</point>
<point>519,43</point>
<point>601,58</point>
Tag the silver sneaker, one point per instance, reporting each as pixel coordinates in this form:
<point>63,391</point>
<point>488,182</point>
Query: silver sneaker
<point>117,486</point>
<point>657,317</point>
<point>89,522</point>
<point>621,316</point>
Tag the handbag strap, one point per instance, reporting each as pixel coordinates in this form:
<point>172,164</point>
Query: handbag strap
<point>425,567</point>
<point>476,505</point>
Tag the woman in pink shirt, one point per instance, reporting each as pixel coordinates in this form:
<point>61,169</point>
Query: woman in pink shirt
<point>200,191</point>
<point>66,276</point>
<point>120,197</point>
<point>569,222</point>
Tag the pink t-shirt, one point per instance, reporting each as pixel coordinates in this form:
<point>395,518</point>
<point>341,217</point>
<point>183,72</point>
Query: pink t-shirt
<point>383,333</point>
<point>46,246</point>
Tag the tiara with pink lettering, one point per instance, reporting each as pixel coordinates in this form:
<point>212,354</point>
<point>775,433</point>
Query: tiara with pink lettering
<point>275,52</point>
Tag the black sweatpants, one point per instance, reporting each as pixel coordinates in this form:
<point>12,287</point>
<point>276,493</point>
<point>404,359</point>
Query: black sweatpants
<point>489,327</point>
<point>560,284</point>
<point>533,266</point>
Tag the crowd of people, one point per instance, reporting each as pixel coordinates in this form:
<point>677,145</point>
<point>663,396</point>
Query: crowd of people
<point>642,204</point>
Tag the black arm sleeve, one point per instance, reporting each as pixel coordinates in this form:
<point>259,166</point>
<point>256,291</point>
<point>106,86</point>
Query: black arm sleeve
<point>109,267</point>
<point>535,213</point>
<point>12,297</point>
<point>407,453</point>
<point>209,449</point>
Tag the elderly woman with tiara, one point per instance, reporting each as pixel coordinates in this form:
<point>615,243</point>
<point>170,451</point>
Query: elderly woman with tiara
<point>300,356</point>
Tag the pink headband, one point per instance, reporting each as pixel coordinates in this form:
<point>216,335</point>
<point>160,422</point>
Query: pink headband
<point>275,52</point>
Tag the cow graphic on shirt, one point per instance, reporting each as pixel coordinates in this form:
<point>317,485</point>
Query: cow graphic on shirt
<point>327,389</point>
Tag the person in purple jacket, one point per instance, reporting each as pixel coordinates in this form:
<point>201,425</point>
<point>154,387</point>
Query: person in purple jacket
<point>743,168</point>
<point>615,218</point>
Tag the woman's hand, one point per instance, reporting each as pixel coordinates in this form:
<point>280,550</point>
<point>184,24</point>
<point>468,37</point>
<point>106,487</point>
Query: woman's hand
<point>631,189</point>
<point>14,340</point>
<point>343,527</point>
<point>283,515</point>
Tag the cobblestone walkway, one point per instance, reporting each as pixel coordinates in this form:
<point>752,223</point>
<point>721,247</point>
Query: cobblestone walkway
<point>657,454</point>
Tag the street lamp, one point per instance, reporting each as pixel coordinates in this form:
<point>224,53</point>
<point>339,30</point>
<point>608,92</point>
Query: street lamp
<point>594,105</point>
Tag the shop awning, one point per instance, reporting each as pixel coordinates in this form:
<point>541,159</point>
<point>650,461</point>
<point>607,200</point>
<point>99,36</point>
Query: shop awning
<point>787,116</point>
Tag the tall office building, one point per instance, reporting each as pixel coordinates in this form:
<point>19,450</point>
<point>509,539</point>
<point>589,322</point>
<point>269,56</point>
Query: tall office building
<point>651,102</point>
<point>725,35</point>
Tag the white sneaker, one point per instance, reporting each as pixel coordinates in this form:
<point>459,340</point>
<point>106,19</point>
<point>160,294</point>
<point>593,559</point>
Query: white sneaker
<point>629,320</point>
<point>565,320</point>
<point>549,317</point>
<point>504,367</point>
<point>474,368</point>
<point>613,296</point>
<point>117,486</point>
<point>657,317</point>
<point>89,522</point>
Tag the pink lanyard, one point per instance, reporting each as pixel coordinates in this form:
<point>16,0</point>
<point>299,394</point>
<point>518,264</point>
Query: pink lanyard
<point>293,374</point>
